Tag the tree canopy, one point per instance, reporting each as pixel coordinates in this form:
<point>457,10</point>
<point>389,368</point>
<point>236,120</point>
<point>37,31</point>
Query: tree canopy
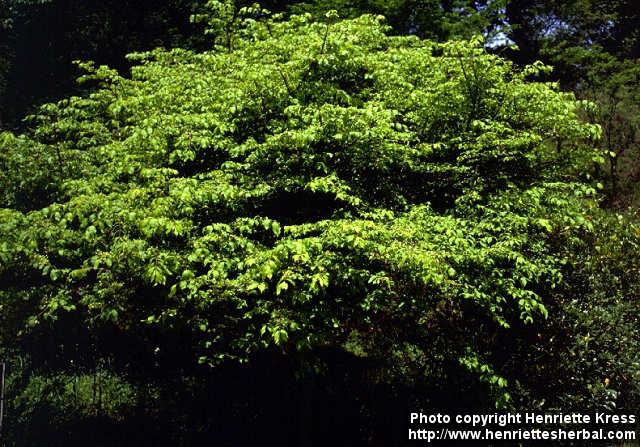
<point>311,192</point>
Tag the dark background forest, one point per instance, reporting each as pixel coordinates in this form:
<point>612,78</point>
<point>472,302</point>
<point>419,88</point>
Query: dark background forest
<point>120,393</point>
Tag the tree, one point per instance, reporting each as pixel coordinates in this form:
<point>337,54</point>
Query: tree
<point>314,191</point>
<point>593,46</point>
<point>432,19</point>
<point>545,24</point>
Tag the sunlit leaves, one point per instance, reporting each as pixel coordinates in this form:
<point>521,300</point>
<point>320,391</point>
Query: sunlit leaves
<point>313,185</point>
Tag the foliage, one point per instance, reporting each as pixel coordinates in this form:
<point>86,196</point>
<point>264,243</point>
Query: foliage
<point>594,46</point>
<point>313,187</point>
<point>614,85</point>
<point>438,20</point>
<point>51,405</point>
<point>541,24</point>
<point>587,357</point>
<point>42,38</point>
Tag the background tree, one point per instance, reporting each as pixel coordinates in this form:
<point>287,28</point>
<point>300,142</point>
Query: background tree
<point>432,19</point>
<point>594,46</point>
<point>43,37</point>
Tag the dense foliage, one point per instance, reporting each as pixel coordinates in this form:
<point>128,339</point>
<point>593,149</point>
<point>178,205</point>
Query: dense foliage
<point>105,31</point>
<point>594,46</point>
<point>317,225</point>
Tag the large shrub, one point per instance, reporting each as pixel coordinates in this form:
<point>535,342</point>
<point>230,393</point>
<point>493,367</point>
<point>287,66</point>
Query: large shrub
<point>312,190</point>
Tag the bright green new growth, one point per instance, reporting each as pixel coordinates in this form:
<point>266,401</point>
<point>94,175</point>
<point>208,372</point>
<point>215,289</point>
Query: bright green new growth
<point>319,186</point>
